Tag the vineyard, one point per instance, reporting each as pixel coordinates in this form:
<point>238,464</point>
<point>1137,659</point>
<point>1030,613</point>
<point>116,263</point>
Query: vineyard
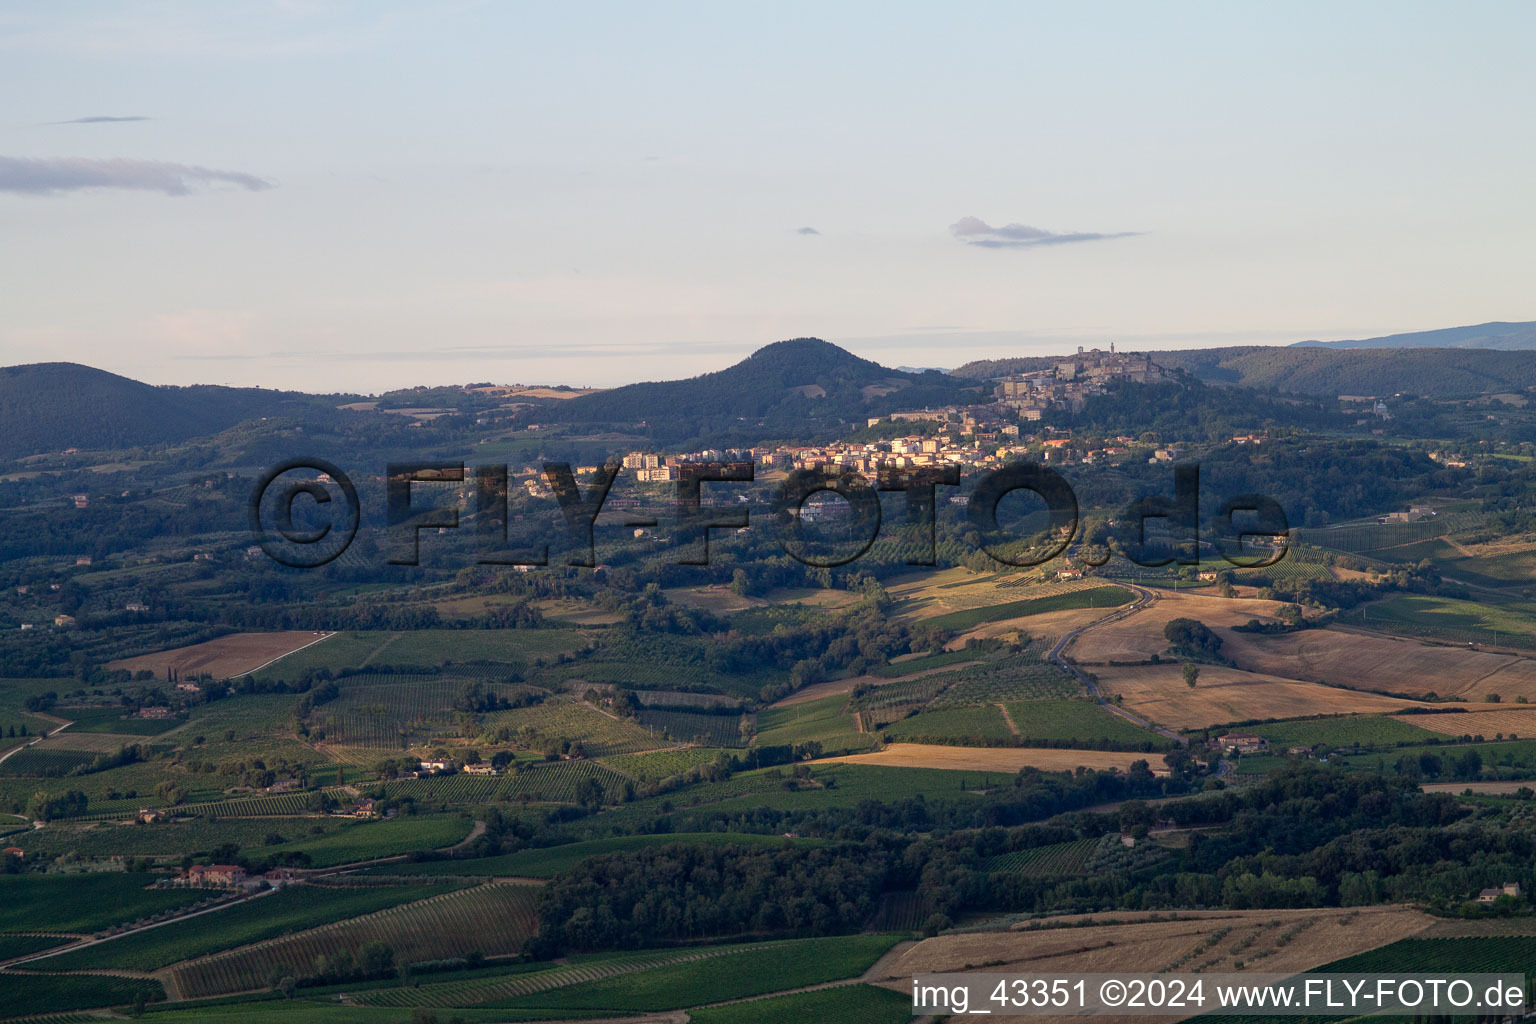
<point>491,919</point>
<point>753,971</point>
<point>458,788</point>
<point>825,721</point>
<point>969,726</point>
<point>254,920</point>
<point>693,727</point>
<point>557,720</point>
<point>477,991</point>
<point>1085,597</point>
<point>559,781</point>
<point>1350,731</point>
<point>1045,861</point>
<point>392,712</point>
<point>847,1004</point>
<point>1079,723</point>
<point>660,764</point>
<point>1023,677</point>
<point>40,760</point>
<point>1513,953</point>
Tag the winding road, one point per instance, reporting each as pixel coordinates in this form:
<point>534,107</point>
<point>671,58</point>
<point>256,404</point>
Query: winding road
<point>1144,597</point>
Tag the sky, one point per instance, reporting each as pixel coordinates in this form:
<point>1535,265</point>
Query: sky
<point>359,197</point>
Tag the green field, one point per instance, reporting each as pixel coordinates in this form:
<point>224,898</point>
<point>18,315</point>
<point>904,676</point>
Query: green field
<point>370,839</point>
<point>1080,723</point>
<point>264,917</point>
<point>1350,731</point>
<point>1088,597</point>
<point>547,862</point>
<point>1025,676</point>
<point>661,764</point>
<point>825,720</point>
<point>681,726</point>
<point>493,920</point>
<point>970,726</point>
<point>358,649</point>
<point>84,903</point>
<point>12,946</point>
<point>557,720</point>
<point>33,994</point>
<point>1511,953</point>
<point>845,1004</point>
<point>734,976</point>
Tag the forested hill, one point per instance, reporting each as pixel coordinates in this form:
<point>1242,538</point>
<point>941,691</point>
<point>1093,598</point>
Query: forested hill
<point>793,388</point>
<point>1506,337</point>
<point>1436,372</point>
<point>48,407</point>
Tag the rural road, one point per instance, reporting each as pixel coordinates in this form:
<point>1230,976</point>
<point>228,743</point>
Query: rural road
<point>60,728</point>
<point>1144,597</point>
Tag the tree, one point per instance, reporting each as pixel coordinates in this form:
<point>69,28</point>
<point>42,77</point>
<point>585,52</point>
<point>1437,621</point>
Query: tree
<point>1191,674</point>
<point>1192,638</point>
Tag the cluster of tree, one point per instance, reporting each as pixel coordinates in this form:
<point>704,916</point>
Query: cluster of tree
<point>665,894</point>
<point>1192,638</point>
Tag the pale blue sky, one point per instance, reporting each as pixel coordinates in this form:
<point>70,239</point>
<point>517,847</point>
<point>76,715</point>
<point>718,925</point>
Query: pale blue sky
<point>595,193</point>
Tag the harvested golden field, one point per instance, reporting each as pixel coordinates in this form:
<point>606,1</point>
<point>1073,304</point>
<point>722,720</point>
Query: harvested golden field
<point>1208,941</point>
<point>228,656</point>
<point>1491,788</point>
<point>994,759</point>
<point>1049,626</point>
<point>1519,720</point>
<point>1222,695</point>
<point>1139,636</point>
<point>1370,661</point>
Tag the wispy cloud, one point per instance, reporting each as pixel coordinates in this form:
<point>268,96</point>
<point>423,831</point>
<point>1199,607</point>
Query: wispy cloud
<point>806,231</point>
<point>100,119</point>
<point>40,177</point>
<point>973,231</point>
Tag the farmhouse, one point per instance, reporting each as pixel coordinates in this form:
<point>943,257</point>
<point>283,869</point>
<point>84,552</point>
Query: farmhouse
<point>150,816</point>
<point>215,874</point>
<point>154,712</point>
<point>13,851</point>
<point>1507,889</point>
<point>64,621</point>
<point>483,768</point>
<point>446,764</point>
<point>1242,743</point>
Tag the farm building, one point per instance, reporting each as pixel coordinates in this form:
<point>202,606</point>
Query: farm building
<point>1507,889</point>
<point>1242,743</point>
<point>215,874</point>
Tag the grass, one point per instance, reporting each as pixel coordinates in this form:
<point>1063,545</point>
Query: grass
<point>356,649</point>
<point>733,976</point>
<point>924,663</point>
<point>547,862</point>
<point>1079,723</point>
<point>84,902</point>
<point>1349,731</point>
<point>289,910</point>
<point>846,1004</point>
<point>557,720</point>
<point>1091,597</point>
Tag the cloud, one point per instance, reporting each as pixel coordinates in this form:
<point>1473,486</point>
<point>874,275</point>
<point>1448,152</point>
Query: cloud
<point>41,177</point>
<point>806,231</point>
<point>973,231</point>
<point>101,119</point>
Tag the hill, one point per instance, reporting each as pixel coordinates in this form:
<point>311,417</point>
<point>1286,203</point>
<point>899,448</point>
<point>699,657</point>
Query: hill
<point>790,388</point>
<point>1435,372</point>
<point>47,407</point>
<point>1498,335</point>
